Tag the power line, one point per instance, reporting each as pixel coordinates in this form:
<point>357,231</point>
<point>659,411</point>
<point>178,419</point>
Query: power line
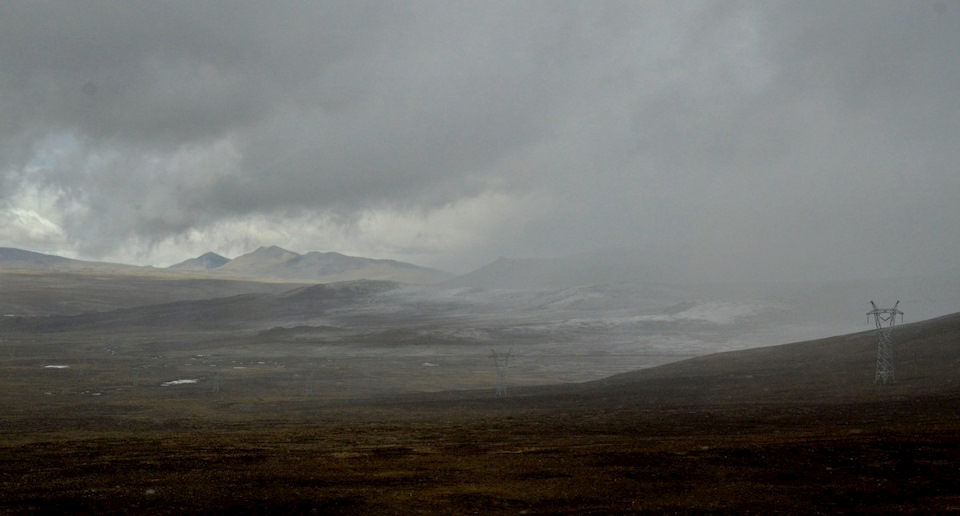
<point>885,319</point>
<point>500,360</point>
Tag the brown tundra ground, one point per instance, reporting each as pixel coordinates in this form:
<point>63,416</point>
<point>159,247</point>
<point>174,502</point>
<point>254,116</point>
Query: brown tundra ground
<point>800,428</point>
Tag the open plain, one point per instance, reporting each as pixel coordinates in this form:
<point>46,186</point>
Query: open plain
<point>335,399</point>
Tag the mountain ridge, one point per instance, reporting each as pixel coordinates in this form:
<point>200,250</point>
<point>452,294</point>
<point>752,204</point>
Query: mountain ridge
<point>267,263</point>
<point>19,259</point>
<point>278,264</point>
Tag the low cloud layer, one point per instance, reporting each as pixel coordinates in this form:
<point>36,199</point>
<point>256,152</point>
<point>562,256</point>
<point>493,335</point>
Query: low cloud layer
<point>738,139</point>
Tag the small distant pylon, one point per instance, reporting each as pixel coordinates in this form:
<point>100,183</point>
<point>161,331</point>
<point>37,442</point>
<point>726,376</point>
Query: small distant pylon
<point>501,360</point>
<point>885,319</point>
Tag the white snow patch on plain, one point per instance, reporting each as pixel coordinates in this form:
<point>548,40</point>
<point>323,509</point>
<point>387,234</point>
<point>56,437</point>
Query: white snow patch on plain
<point>714,312</point>
<point>429,364</point>
<point>177,382</point>
<point>56,367</point>
<point>710,312</point>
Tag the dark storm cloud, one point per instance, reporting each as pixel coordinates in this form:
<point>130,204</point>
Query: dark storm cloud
<point>338,105</point>
<point>800,140</point>
<point>745,137</point>
<point>170,72</point>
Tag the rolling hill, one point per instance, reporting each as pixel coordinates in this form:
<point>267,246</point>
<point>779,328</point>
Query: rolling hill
<point>833,370</point>
<point>276,264</point>
<point>251,309</point>
<point>46,293</point>
<point>19,259</point>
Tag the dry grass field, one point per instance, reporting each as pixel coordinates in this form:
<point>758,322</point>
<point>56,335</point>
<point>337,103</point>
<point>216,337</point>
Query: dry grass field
<point>869,458</point>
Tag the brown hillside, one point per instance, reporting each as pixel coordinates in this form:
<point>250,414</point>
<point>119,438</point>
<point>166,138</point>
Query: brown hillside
<point>832,370</point>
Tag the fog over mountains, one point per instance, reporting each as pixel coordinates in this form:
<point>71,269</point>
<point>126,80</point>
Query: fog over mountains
<point>597,305</point>
<point>602,266</point>
<point>613,271</point>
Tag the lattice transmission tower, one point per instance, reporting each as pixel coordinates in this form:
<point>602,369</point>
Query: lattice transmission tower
<point>886,319</point>
<point>500,360</point>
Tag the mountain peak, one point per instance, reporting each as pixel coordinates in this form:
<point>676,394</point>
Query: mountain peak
<point>264,256</point>
<point>205,261</point>
<point>272,252</point>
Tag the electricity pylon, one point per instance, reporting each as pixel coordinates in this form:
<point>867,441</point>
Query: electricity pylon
<point>885,318</point>
<point>500,360</point>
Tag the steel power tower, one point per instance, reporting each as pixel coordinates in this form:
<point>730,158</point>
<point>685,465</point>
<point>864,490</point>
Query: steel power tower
<point>886,319</point>
<point>500,360</point>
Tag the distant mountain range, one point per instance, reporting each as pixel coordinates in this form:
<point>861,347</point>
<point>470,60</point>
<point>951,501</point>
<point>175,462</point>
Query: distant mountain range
<point>274,263</point>
<point>923,296</point>
<point>609,266</point>
<point>264,264</point>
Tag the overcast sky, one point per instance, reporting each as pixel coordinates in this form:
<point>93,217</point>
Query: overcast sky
<point>730,139</point>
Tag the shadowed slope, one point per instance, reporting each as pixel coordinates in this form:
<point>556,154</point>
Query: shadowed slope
<point>236,311</point>
<point>34,293</point>
<point>835,369</point>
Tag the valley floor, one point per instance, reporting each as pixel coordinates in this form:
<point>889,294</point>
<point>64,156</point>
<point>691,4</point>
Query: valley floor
<point>154,417</point>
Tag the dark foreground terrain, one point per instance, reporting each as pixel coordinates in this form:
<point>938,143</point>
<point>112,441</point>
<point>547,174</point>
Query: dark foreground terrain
<point>880,457</point>
<point>796,429</point>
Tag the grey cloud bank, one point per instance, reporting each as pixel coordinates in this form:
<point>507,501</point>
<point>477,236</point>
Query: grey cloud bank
<point>742,139</point>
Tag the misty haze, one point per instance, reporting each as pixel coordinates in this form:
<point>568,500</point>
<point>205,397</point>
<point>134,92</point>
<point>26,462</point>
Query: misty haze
<point>489,258</point>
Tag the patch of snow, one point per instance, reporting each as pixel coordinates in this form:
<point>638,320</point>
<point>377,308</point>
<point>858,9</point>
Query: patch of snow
<point>428,364</point>
<point>177,382</point>
<point>56,367</point>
